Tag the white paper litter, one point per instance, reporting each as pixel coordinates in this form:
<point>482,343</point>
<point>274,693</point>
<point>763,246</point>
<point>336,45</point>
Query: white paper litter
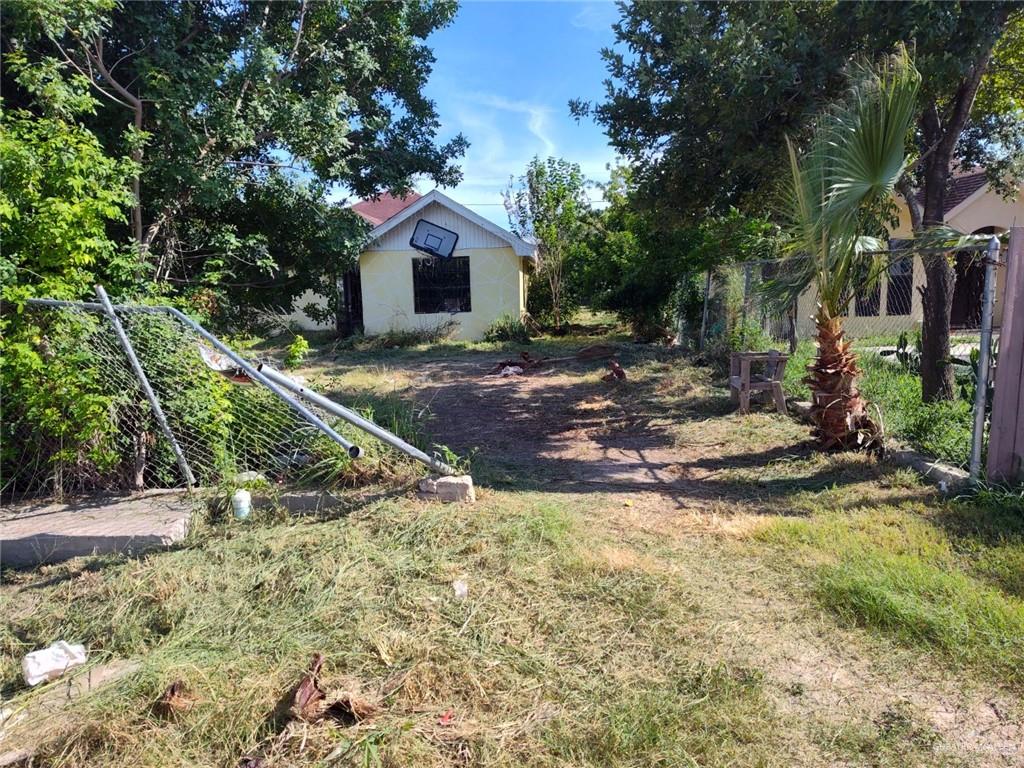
<point>50,663</point>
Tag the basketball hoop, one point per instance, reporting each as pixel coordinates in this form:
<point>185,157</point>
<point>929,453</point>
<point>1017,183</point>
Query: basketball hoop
<point>433,240</point>
<point>223,365</point>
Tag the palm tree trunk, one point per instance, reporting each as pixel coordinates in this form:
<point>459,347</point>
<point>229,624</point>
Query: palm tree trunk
<point>838,412</point>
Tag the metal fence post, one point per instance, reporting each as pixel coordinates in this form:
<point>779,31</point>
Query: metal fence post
<point>746,304</point>
<point>140,374</point>
<point>981,392</point>
<point>704,312</point>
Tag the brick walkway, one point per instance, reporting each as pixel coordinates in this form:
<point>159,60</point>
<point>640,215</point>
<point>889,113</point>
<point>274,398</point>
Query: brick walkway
<point>49,533</point>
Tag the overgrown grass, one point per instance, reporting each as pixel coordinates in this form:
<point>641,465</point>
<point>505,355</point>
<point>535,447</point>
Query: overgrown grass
<point>942,430</point>
<point>948,578</point>
<point>598,630</point>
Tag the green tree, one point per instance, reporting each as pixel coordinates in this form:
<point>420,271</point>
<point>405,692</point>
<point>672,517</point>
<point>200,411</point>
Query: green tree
<point>285,238</point>
<point>211,98</point>
<point>643,265</point>
<point>60,190</point>
<point>549,206</point>
<point>635,264</point>
<point>856,156</point>
<point>702,96</point>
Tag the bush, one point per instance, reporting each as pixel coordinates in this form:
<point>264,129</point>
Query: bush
<point>743,337</point>
<point>508,328</point>
<point>400,338</point>
<point>297,352</point>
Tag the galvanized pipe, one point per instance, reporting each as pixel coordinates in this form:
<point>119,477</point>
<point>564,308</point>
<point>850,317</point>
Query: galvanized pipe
<point>356,420</point>
<point>981,392</point>
<point>353,450</point>
<point>140,374</point>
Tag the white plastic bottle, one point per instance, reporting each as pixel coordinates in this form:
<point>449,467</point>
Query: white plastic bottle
<point>241,503</point>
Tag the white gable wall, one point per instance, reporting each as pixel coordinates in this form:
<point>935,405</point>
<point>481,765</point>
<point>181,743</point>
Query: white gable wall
<point>471,235</point>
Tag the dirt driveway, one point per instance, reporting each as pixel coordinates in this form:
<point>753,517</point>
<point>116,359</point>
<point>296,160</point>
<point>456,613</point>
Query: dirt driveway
<point>665,430</point>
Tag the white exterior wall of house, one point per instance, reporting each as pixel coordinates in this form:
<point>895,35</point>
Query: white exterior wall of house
<point>497,274</point>
<point>984,208</point>
<point>297,318</point>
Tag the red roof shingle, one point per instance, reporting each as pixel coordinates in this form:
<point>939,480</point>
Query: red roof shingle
<point>959,189</point>
<point>383,208</point>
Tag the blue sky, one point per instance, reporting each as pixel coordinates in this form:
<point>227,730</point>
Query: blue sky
<point>504,74</point>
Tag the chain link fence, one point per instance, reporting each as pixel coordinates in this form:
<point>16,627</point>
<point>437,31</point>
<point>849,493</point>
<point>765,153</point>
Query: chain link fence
<point>80,422</point>
<point>883,324</point>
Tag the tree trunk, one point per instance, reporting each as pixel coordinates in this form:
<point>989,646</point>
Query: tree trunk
<point>937,380</point>
<point>838,412</point>
<point>941,134</point>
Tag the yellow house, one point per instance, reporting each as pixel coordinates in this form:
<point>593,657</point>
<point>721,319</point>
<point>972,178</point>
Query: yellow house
<point>971,206</point>
<point>398,287</point>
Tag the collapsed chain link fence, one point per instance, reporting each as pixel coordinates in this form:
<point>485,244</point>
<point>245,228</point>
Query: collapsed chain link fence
<point>883,322</point>
<point>84,424</point>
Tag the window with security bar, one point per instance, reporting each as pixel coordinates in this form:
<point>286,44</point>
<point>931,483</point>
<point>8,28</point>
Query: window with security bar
<point>441,285</point>
<point>868,301</point>
<point>901,287</point>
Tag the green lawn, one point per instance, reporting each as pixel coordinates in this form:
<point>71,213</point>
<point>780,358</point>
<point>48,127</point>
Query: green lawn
<point>942,430</point>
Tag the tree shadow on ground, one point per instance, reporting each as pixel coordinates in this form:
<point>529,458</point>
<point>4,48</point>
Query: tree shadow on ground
<point>564,430</point>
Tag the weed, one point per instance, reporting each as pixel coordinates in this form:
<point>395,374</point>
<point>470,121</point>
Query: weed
<point>508,328</point>
<point>297,352</point>
<point>896,571</point>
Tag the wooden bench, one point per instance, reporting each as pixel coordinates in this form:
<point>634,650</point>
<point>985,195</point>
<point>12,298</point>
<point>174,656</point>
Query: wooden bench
<point>742,382</point>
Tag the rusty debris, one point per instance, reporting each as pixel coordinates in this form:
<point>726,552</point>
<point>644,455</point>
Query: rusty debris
<point>308,695</point>
<point>595,352</point>
<point>349,710</point>
<point>523,363</point>
<point>175,698</point>
<point>615,372</point>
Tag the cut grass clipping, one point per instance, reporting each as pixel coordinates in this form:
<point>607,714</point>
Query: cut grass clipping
<point>558,655</point>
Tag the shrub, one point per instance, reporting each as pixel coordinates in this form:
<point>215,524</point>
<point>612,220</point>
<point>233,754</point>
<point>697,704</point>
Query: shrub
<point>508,328</point>
<point>297,352</point>
<point>742,337</point>
<point>400,338</point>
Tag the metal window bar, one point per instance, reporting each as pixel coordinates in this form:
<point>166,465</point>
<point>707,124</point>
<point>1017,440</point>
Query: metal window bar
<point>441,285</point>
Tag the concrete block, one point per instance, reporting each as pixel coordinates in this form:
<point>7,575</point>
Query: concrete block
<point>46,532</point>
<point>458,488</point>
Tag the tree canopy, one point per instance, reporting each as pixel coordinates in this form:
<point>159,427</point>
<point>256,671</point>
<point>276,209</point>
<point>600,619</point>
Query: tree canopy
<point>549,206</point>
<point>223,103</point>
<point>701,96</point>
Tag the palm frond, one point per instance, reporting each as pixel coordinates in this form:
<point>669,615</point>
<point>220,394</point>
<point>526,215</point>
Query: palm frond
<point>855,158</point>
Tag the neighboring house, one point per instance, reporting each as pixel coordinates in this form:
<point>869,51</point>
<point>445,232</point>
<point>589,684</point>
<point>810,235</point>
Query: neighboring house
<point>399,288</point>
<point>971,206</point>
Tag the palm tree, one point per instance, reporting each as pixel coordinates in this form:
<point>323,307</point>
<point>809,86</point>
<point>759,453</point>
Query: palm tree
<point>844,179</point>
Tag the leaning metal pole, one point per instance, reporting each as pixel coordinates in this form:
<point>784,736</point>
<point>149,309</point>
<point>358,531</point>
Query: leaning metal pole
<point>353,450</point>
<point>356,420</point>
<point>981,392</point>
<point>140,374</point>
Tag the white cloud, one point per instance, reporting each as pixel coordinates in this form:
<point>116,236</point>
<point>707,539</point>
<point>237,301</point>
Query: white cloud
<point>505,134</point>
<point>538,116</point>
<point>596,17</point>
